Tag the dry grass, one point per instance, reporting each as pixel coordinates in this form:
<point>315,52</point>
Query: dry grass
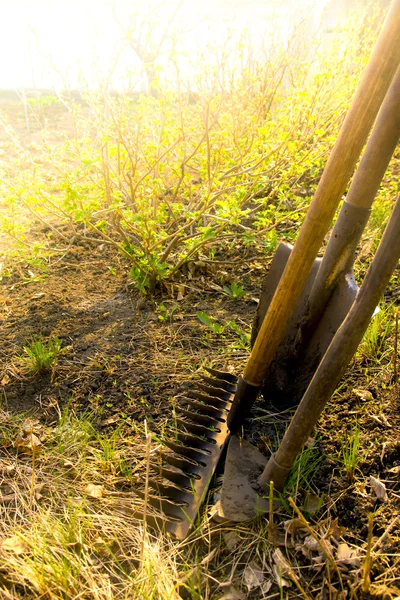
<point>69,529</point>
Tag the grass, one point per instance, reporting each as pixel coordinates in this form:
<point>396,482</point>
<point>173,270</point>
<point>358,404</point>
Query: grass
<point>40,355</point>
<point>350,453</point>
<point>175,188</point>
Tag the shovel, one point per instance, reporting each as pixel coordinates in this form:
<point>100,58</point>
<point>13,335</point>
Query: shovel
<point>330,289</point>
<point>219,405</point>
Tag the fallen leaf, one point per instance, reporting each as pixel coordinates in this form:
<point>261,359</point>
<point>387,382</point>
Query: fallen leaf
<point>37,296</point>
<point>70,469</point>
<point>231,539</point>
<point>207,559</point>
<point>281,568</point>
<point>5,380</point>
<point>8,470</point>
<point>232,594</point>
<point>379,488</point>
<point>312,503</point>
<point>384,591</point>
<point>277,537</point>
<point>265,587</point>
<point>14,544</point>
<point>395,470</point>
<point>329,592</point>
<point>292,526</point>
<point>347,555</point>
<point>94,491</point>
<point>28,443</point>
<point>253,576</point>
<point>335,530</point>
<point>364,395</point>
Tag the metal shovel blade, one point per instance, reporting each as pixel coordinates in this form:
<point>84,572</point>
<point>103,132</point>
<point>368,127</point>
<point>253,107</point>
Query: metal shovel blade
<point>298,357</point>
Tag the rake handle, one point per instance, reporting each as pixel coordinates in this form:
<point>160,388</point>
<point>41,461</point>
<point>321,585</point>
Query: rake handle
<point>374,84</point>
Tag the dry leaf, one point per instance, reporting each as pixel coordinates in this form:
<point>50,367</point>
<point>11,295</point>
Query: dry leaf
<point>5,380</point>
<point>348,556</point>
<point>232,594</point>
<point>28,443</point>
<point>94,491</point>
<point>281,568</point>
<point>292,526</point>
<point>231,539</point>
<point>265,587</point>
<point>207,559</point>
<point>253,576</point>
<point>8,470</point>
<point>364,395</point>
<point>379,488</point>
<point>312,503</point>
<point>70,469</point>
<point>14,544</point>
<point>384,591</point>
<point>395,470</point>
<point>329,592</point>
<point>335,530</point>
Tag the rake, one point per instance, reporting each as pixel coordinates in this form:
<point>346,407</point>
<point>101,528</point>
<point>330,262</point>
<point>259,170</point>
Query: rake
<point>219,403</point>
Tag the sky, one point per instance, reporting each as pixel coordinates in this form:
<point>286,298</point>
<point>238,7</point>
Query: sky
<point>59,43</point>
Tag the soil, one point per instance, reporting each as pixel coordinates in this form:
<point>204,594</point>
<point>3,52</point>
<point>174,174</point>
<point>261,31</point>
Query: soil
<point>125,358</point>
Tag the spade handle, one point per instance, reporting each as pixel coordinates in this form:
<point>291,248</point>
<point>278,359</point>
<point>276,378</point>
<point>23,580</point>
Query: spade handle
<point>383,63</point>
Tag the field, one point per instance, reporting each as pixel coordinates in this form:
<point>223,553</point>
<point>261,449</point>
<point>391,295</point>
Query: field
<point>136,235</point>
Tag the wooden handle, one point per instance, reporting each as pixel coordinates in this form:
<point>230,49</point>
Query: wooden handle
<point>338,355</point>
<point>339,254</point>
<point>374,84</point>
<point>379,149</point>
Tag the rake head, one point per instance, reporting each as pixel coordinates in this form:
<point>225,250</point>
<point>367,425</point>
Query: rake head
<point>181,475</point>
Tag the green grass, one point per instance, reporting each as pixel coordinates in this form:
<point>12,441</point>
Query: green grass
<point>350,453</point>
<point>40,355</point>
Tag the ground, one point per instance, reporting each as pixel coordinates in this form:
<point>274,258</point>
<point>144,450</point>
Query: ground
<point>125,357</point>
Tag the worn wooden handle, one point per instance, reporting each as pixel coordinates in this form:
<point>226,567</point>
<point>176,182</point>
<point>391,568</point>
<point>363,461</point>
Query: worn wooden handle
<point>379,149</point>
<point>374,84</point>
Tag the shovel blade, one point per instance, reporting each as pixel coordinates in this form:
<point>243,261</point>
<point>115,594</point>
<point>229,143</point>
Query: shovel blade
<point>297,358</point>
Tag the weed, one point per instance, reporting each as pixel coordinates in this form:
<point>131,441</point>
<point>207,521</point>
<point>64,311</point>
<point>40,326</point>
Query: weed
<point>350,453</point>
<point>372,346</point>
<point>40,355</point>
<point>165,314</point>
<point>211,323</point>
<point>304,470</point>
<point>235,290</point>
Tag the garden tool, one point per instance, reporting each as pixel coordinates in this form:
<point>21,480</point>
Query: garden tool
<point>330,289</point>
<point>334,287</point>
<point>220,404</point>
<point>337,356</point>
<point>248,474</point>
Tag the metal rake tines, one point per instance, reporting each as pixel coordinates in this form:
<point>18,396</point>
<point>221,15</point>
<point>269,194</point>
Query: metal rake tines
<point>195,441</point>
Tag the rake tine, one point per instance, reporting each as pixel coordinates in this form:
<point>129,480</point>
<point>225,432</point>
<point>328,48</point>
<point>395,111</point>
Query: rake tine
<point>194,440</point>
<point>213,400</point>
<point>199,418</point>
<point>165,506</point>
<point>196,455</point>
<point>220,384</point>
<point>187,466</point>
<point>157,521</point>
<point>218,415</point>
<point>174,475</point>
<point>215,392</point>
<point>199,429</point>
<point>228,377</point>
<point>171,492</point>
